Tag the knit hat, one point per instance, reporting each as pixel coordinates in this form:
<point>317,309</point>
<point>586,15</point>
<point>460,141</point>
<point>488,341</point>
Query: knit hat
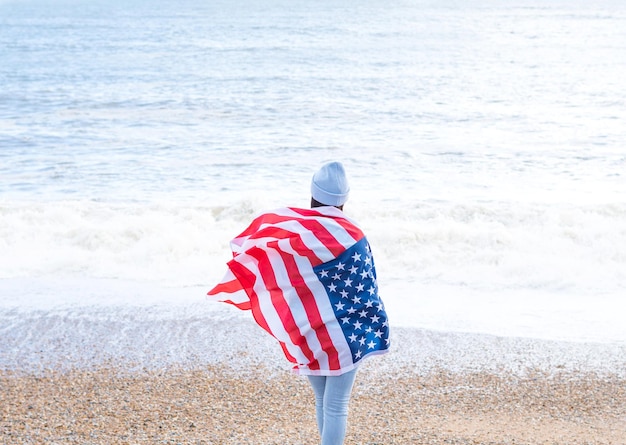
<point>329,185</point>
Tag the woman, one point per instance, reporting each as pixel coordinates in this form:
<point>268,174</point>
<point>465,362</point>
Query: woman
<point>308,277</point>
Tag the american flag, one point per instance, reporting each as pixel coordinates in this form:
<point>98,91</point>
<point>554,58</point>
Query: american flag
<point>308,277</point>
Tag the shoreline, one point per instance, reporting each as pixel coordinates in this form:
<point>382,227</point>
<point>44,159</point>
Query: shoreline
<point>193,336</point>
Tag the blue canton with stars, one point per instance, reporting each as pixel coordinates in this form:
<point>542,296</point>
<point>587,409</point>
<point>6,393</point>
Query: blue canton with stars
<point>350,282</point>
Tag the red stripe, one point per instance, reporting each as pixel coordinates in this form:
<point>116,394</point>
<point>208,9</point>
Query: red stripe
<point>266,218</point>
<point>243,306</point>
<point>247,280</point>
<point>290,357</point>
<point>313,226</point>
<point>295,240</point>
<point>280,304</point>
<point>230,287</point>
<point>312,311</point>
<point>353,230</point>
<point>325,237</point>
<point>274,218</point>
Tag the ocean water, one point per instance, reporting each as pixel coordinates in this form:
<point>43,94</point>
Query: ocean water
<point>484,140</point>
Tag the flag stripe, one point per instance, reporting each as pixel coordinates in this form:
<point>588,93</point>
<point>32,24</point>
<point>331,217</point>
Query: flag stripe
<point>349,226</point>
<point>311,309</point>
<point>336,227</point>
<point>276,233</point>
<point>325,309</point>
<point>325,237</point>
<point>319,243</point>
<point>249,280</point>
<point>280,308</point>
<point>233,292</point>
<point>331,236</point>
<point>246,268</point>
<point>228,287</point>
<point>270,218</point>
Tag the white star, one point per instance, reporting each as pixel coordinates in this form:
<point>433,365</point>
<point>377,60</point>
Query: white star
<point>345,320</point>
<point>356,257</point>
<point>356,300</point>
<point>362,341</point>
<point>336,277</point>
<point>369,330</point>
<point>369,303</point>
<point>353,270</point>
<point>375,318</point>
<point>364,274</point>
<point>371,344</point>
<point>385,324</point>
<point>351,310</point>
<point>378,333</point>
<point>363,313</point>
<point>324,274</point>
<point>360,287</point>
<point>372,290</point>
<point>357,324</point>
<point>340,306</point>
<point>348,282</point>
<point>344,294</point>
<point>358,354</point>
<point>353,338</point>
<point>332,287</point>
<point>341,266</point>
<point>387,340</point>
<point>368,260</point>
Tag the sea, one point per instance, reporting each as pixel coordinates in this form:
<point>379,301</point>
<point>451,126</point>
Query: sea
<point>484,140</point>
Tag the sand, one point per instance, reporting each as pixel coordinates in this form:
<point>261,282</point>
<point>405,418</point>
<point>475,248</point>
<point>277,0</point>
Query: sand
<point>213,406</point>
<point>86,379</point>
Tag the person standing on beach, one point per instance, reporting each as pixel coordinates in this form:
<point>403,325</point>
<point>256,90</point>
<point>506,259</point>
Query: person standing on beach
<point>308,277</point>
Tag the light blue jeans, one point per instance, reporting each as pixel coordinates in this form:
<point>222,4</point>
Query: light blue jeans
<point>332,396</point>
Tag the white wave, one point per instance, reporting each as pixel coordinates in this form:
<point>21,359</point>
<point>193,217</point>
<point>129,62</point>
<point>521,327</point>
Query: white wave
<point>504,245</point>
<point>533,270</point>
<point>481,245</point>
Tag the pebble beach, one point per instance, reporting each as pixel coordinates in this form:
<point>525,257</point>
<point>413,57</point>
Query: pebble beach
<point>136,376</point>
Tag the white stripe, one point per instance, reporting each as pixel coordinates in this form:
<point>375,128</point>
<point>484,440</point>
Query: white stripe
<point>309,240</point>
<point>323,304</point>
<point>240,244</point>
<point>237,297</point>
<point>267,308</point>
<point>305,235</point>
<point>295,304</point>
<point>331,224</point>
<point>342,236</point>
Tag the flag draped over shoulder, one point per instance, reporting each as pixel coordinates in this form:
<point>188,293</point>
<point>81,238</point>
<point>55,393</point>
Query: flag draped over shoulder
<point>308,277</point>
